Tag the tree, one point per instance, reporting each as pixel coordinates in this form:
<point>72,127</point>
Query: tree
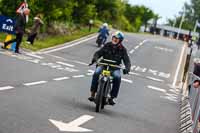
<point>84,11</point>
<point>192,13</point>
<point>138,15</point>
<point>148,14</point>
<point>118,13</point>
<point>8,7</point>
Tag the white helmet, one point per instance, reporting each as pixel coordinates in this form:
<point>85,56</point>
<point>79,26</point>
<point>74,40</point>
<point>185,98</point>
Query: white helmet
<point>105,25</point>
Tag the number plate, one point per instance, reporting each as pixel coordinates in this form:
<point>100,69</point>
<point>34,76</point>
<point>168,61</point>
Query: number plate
<point>106,73</point>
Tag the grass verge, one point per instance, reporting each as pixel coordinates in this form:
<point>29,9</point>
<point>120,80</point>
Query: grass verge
<point>51,41</point>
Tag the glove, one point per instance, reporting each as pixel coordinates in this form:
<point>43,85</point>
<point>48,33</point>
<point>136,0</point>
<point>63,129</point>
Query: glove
<point>125,71</point>
<point>93,61</point>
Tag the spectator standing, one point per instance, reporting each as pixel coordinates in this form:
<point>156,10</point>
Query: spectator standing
<point>19,29</point>
<point>35,29</point>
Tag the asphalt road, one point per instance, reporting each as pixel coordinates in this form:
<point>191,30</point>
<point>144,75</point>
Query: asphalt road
<point>42,91</point>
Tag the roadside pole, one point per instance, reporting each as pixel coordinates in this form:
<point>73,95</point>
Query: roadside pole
<point>180,26</point>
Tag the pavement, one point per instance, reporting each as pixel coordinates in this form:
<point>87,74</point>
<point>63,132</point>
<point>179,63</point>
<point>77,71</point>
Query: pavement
<point>47,91</point>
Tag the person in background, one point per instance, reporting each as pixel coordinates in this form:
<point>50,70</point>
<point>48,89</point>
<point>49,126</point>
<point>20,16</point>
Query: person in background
<point>195,85</point>
<point>196,70</point>
<point>19,29</point>
<point>104,32</point>
<point>35,29</point>
<point>198,43</point>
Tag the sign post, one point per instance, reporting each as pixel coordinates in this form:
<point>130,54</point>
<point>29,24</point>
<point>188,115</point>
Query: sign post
<point>7,25</point>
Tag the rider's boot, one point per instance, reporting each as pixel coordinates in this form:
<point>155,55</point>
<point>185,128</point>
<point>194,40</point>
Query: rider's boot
<point>111,101</point>
<point>92,97</point>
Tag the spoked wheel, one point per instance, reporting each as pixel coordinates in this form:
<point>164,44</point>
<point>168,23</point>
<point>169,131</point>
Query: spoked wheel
<point>99,41</point>
<point>99,98</point>
<point>99,44</point>
<point>98,103</point>
<point>103,102</point>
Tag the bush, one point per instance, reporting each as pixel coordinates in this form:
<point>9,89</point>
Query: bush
<point>124,24</point>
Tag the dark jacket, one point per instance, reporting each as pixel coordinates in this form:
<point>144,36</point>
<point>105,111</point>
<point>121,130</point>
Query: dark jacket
<point>36,26</point>
<point>116,53</point>
<point>104,32</point>
<point>20,23</point>
<point>196,69</point>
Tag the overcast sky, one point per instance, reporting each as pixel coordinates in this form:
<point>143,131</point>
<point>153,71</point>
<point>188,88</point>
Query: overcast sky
<point>165,8</point>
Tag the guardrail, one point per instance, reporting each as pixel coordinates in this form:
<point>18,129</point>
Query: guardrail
<point>190,107</point>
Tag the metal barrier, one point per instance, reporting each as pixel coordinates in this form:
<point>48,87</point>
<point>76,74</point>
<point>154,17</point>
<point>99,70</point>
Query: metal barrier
<point>190,107</point>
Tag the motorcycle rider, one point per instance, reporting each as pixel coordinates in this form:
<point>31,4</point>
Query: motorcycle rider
<point>115,51</point>
<point>103,32</point>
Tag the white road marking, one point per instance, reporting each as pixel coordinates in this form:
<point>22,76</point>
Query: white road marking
<point>132,51</point>
<point>141,44</point>
<point>155,79</point>
<point>91,71</point>
<point>151,71</point>
<point>89,74</point>
<point>56,66</point>
<point>177,87</point>
<point>75,61</point>
<point>82,63</point>
<point>172,95</point>
<point>133,67</point>
<point>169,98</point>
<point>127,80</point>
<point>23,57</point>
<point>70,69</point>
<point>164,49</point>
<point>44,64</point>
<point>175,90</point>
<point>36,61</point>
<point>49,64</point>
<point>137,47</point>
<point>154,72</point>
<point>179,66</point>
<point>54,56</point>
<point>61,78</point>
<point>34,55</point>
<point>164,75</point>
<point>60,68</point>
<point>132,73</point>
<point>35,83</point>
<point>6,88</point>
<point>66,64</point>
<point>140,69</point>
<point>156,88</point>
<point>74,125</point>
<point>68,46</point>
<point>78,76</point>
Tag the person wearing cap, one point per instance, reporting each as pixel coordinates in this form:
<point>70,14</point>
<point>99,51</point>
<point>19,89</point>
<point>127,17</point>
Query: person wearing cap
<point>19,29</point>
<point>115,51</point>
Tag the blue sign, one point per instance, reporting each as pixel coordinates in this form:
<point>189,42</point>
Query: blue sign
<point>7,24</point>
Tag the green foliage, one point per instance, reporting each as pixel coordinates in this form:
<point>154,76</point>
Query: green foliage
<point>138,15</point>
<point>124,24</point>
<point>192,13</point>
<point>51,41</point>
<point>116,12</point>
